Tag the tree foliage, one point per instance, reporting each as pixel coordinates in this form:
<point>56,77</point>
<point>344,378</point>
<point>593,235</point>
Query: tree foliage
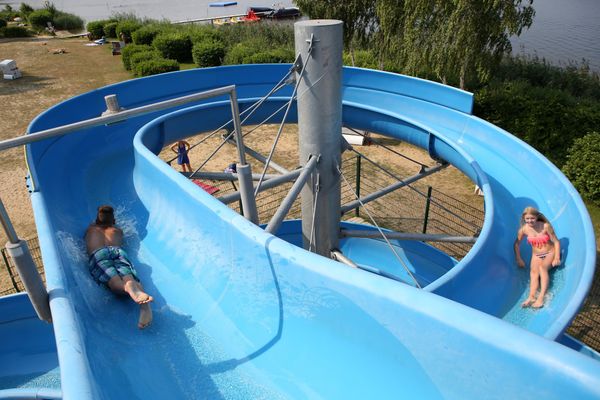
<point>583,166</point>
<point>358,17</point>
<point>452,38</point>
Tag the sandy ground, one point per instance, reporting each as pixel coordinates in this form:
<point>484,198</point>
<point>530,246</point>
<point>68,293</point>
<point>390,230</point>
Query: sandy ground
<point>48,79</point>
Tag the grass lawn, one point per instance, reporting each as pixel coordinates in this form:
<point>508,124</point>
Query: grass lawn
<point>595,215</point>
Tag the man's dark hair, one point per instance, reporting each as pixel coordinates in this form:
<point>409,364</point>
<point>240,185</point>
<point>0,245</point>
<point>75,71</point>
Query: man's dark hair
<point>106,216</point>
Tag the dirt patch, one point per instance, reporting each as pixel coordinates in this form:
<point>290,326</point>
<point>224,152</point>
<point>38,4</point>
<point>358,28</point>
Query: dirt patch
<point>49,77</point>
<point>53,70</point>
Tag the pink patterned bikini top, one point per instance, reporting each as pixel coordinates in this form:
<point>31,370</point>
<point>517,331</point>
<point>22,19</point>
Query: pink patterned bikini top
<point>538,241</point>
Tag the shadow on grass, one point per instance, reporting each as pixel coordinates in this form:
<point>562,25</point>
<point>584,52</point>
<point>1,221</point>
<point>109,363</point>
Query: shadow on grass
<point>25,84</point>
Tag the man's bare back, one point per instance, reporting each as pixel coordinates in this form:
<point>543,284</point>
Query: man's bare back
<point>98,236</point>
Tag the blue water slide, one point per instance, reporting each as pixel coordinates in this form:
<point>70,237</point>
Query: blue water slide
<point>239,313</point>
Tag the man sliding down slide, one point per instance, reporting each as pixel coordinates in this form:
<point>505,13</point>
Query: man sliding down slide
<point>109,264</point>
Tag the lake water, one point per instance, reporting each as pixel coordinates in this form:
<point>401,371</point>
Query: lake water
<point>563,30</point>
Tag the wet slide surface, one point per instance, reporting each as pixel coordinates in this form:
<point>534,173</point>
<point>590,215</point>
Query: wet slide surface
<point>243,314</point>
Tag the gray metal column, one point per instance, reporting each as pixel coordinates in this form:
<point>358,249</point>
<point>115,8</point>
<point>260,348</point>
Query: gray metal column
<point>244,169</point>
<point>21,256</point>
<point>319,43</point>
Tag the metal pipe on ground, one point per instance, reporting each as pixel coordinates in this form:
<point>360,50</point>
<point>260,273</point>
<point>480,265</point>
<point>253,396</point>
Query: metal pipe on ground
<point>382,192</point>
<point>257,156</point>
<point>224,176</point>
<point>408,236</point>
<point>268,184</point>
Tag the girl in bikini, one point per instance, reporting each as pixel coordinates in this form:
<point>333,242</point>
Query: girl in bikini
<point>545,253</point>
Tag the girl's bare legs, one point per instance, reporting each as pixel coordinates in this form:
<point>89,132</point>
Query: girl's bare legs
<point>534,277</point>
<point>544,267</point>
<point>127,285</point>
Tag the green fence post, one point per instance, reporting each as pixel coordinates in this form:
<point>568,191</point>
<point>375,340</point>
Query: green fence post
<point>358,158</point>
<point>10,275</point>
<point>427,203</point>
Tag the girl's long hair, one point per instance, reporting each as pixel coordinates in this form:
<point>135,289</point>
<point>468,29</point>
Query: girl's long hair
<point>533,211</point>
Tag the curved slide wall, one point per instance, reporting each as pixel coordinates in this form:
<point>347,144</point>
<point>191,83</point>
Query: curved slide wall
<point>243,314</point>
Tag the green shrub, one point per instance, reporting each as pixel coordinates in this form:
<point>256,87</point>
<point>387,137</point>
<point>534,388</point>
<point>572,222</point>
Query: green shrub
<point>96,29</point>
<point>25,10</point>
<point>155,66</point>
<point>8,14</point>
<point>15,31</point>
<point>66,21</point>
<point>583,166</point>
<point>174,45</point>
<point>548,119</point>
<point>39,19</point>
<point>127,27</point>
<point>202,33</point>
<point>110,29</point>
<point>3,23</point>
<point>362,59</point>
<point>138,57</point>
<point>577,80</point>
<point>130,50</point>
<point>208,53</point>
<point>240,52</point>
<point>147,33</point>
<point>267,35</point>
<point>275,56</point>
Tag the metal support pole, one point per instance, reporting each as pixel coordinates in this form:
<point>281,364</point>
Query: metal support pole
<point>286,204</point>
<point>11,234</point>
<point>21,256</point>
<point>256,155</point>
<point>408,236</point>
<point>427,204</point>
<point>392,187</point>
<point>244,169</point>
<point>224,176</point>
<point>114,117</point>
<point>358,159</point>
<point>247,193</point>
<point>319,44</point>
<point>339,256</point>
<point>268,184</point>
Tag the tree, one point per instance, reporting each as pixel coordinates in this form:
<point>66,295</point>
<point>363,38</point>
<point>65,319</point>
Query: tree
<point>451,38</point>
<point>358,17</point>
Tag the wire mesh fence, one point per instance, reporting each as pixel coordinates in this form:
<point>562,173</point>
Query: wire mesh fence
<point>15,284</point>
<point>418,208</point>
<point>415,208</point>
<point>586,325</point>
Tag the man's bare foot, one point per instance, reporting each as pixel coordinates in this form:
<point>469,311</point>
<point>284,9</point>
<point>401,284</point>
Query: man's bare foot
<point>538,304</point>
<point>145,316</point>
<point>136,293</point>
<point>528,302</point>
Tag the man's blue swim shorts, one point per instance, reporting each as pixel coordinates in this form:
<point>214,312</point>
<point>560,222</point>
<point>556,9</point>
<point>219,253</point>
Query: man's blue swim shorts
<point>110,261</point>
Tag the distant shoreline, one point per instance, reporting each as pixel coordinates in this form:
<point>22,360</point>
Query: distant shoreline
<point>176,10</point>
